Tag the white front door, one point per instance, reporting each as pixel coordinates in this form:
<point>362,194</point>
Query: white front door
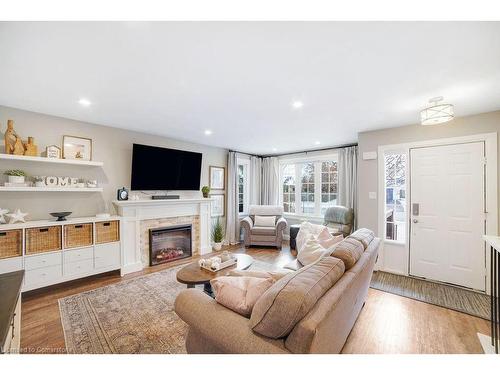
<point>447,214</point>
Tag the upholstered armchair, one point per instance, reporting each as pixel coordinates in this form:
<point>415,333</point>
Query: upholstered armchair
<point>340,218</point>
<point>264,235</point>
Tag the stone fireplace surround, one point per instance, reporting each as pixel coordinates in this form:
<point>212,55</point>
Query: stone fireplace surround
<point>138,216</point>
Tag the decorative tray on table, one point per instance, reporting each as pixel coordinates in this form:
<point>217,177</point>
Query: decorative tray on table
<point>217,263</point>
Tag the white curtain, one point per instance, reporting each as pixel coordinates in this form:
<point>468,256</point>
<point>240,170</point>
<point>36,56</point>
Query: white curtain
<point>232,219</point>
<point>270,181</point>
<point>348,178</point>
<point>254,179</point>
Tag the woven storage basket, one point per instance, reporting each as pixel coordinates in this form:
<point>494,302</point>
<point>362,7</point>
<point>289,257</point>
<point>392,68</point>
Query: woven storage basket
<point>77,235</point>
<point>41,240</point>
<point>11,243</point>
<point>107,231</point>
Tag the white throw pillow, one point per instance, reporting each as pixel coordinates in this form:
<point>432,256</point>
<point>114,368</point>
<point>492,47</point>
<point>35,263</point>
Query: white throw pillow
<point>306,229</point>
<point>326,239</point>
<point>311,251</point>
<point>265,221</point>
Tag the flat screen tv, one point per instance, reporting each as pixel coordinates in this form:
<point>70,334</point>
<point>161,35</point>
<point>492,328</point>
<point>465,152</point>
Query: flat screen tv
<point>157,168</point>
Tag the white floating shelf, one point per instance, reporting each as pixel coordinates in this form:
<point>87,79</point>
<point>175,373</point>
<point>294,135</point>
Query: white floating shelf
<point>40,159</point>
<point>57,189</point>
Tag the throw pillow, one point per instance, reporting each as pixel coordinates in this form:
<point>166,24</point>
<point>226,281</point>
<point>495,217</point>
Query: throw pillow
<point>305,230</point>
<point>364,235</point>
<point>327,240</point>
<point>311,251</point>
<point>285,303</point>
<point>240,293</point>
<point>265,221</point>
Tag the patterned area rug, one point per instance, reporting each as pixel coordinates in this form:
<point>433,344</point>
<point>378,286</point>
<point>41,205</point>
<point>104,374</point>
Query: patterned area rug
<point>132,316</point>
<point>447,296</point>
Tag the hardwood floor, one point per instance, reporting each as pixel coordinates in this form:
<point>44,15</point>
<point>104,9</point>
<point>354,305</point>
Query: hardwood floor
<point>387,324</point>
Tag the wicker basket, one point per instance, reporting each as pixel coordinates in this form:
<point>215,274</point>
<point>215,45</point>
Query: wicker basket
<point>77,235</point>
<point>107,231</point>
<point>11,243</point>
<point>43,239</point>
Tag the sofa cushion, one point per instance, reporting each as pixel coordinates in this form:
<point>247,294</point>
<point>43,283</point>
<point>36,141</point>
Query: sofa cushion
<point>264,231</point>
<point>265,221</point>
<point>364,235</point>
<point>349,251</point>
<point>239,293</point>
<point>284,304</point>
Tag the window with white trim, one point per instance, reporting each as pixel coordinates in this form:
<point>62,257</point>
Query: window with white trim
<point>243,186</point>
<point>308,186</point>
<point>395,196</point>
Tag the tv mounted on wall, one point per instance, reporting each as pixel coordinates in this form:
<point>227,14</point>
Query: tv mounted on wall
<point>158,168</point>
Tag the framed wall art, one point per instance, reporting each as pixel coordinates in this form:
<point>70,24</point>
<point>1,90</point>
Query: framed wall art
<point>77,148</point>
<point>218,206</point>
<point>217,178</point>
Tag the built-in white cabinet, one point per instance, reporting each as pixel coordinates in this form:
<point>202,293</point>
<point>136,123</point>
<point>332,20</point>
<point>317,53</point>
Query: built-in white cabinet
<point>70,262</point>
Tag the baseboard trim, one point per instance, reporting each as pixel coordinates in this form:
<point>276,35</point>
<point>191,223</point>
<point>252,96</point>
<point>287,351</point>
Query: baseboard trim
<point>132,267</point>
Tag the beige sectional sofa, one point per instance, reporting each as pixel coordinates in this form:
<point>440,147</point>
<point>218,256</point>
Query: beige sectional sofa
<point>323,328</point>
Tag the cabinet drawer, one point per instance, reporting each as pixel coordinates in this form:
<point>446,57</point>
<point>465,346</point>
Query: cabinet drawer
<point>42,276</point>
<point>78,255</point>
<point>11,264</point>
<point>107,255</point>
<point>79,268</point>
<point>39,261</point>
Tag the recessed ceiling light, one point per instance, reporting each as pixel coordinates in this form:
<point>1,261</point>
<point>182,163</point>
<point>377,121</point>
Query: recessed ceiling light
<point>317,143</point>
<point>208,132</point>
<point>275,149</point>
<point>297,104</point>
<point>84,102</point>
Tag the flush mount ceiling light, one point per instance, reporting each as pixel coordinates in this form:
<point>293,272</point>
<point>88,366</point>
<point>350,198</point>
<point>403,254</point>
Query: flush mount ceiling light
<point>208,132</point>
<point>437,113</point>
<point>84,102</point>
<point>317,143</point>
<point>297,104</point>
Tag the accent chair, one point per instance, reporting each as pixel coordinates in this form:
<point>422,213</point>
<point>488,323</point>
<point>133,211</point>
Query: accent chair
<point>264,235</point>
<point>340,218</point>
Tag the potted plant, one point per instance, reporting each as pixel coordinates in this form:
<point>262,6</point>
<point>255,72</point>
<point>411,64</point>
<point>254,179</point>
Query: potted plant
<point>205,190</point>
<point>217,235</point>
<point>16,176</point>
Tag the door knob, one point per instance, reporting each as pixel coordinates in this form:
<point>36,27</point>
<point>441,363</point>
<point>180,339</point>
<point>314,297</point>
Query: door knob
<point>415,221</point>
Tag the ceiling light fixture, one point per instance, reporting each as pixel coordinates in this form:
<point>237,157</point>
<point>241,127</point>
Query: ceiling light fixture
<point>297,104</point>
<point>317,143</point>
<point>275,149</point>
<point>208,132</point>
<point>437,113</point>
<point>84,102</point>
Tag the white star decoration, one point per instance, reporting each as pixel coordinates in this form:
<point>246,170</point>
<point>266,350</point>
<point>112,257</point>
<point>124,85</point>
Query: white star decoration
<point>3,211</point>
<point>17,216</point>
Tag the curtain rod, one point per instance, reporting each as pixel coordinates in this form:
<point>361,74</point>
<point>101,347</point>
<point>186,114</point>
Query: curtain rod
<point>298,152</point>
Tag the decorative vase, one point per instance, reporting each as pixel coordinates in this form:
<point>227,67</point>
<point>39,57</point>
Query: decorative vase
<point>16,179</point>
<point>205,195</point>
<point>217,246</point>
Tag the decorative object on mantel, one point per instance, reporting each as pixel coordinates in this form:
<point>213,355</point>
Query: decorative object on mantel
<point>77,148</point>
<point>205,191</point>
<point>16,176</point>
<point>61,216</point>
<point>217,235</point>
<point>3,212</point>
<point>218,205</point>
<point>30,148</point>
<point>122,194</point>
<point>53,152</point>
<point>217,177</point>
<point>17,217</point>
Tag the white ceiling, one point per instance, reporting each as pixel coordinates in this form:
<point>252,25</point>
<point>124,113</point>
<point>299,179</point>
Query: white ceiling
<point>238,79</point>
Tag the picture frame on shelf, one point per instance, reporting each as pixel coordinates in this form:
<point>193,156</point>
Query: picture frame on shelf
<point>53,152</point>
<point>217,178</point>
<point>218,205</point>
<point>77,148</point>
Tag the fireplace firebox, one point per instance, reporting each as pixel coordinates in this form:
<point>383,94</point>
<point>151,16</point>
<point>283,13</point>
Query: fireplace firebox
<point>169,243</point>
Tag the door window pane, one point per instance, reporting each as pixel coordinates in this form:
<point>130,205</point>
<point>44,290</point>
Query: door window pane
<point>395,197</point>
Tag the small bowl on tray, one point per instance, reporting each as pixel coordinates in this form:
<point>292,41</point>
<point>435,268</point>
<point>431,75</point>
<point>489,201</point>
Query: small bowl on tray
<point>61,216</point>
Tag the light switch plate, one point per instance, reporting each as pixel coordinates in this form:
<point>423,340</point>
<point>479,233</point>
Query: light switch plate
<point>370,155</point>
<point>372,195</point>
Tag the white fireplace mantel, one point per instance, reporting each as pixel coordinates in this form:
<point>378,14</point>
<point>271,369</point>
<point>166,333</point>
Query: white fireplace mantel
<point>135,211</point>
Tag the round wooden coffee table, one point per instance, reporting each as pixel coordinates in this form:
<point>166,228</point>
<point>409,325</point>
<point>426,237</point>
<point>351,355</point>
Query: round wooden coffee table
<point>193,274</point>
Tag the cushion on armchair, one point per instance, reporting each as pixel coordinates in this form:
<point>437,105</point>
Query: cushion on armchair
<point>290,298</point>
<point>265,221</point>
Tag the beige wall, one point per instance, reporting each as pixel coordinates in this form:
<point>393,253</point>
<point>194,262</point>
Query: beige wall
<point>110,145</point>
<point>369,141</point>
